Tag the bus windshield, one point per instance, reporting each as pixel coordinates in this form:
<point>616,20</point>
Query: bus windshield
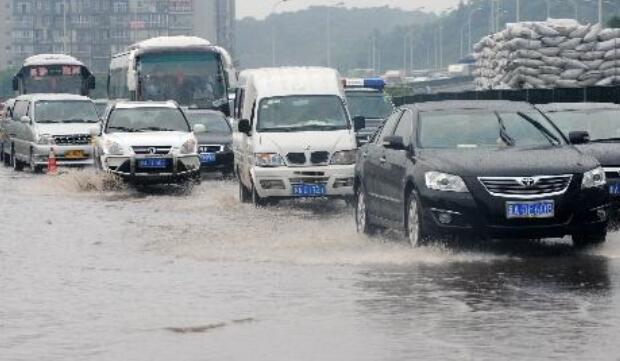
<point>192,79</point>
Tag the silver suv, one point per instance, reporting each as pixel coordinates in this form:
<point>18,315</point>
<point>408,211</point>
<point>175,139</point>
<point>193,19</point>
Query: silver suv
<point>46,123</point>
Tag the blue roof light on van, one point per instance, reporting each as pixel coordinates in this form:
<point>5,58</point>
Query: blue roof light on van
<point>372,83</point>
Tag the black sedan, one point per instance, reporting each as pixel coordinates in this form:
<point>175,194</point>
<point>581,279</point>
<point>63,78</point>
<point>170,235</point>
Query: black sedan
<point>214,145</point>
<point>493,169</point>
<point>602,122</point>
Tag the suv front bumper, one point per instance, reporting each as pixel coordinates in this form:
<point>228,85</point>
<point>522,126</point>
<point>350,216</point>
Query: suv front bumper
<point>41,155</point>
<point>180,168</point>
<point>279,181</point>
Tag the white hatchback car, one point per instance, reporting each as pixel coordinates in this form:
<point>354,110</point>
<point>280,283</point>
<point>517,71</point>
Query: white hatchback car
<point>148,142</point>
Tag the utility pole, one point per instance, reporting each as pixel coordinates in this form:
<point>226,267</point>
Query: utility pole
<point>600,12</point>
<point>273,32</point>
<point>328,31</point>
<point>518,6</point>
<point>65,46</point>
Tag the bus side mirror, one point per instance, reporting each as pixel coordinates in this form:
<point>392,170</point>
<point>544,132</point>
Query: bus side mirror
<point>244,126</point>
<point>579,137</point>
<point>15,84</point>
<point>359,123</point>
<point>92,82</point>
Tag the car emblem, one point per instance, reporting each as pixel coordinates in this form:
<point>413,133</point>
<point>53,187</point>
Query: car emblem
<point>152,150</point>
<point>528,182</point>
<point>308,147</point>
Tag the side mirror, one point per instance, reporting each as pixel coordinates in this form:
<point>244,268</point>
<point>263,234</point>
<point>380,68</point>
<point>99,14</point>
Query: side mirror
<point>199,128</point>
<point>25,119</point>
<point>244,126</point>
<point>579,137</point>
<point>359,123</point>
<point>394,142</point>
<point>15,84</point>
<point>92,82</point>
<point>94,131</point>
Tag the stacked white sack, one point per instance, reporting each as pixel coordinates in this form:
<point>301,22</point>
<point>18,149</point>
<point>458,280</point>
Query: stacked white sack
<point>558,53</point>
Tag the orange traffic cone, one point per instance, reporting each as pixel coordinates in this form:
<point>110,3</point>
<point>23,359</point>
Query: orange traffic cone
<point>52,166</point>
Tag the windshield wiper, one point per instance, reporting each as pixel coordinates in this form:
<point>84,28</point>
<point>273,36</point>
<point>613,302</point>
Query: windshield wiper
<point>48,121</point>
<point>276,130</point>
<point>124,129</point>
<point>540,127</point>
<point>157,129</point>
<point>319,127</point>
<point>503,132</point>
<point>80,121</point>
<point>605,140</point>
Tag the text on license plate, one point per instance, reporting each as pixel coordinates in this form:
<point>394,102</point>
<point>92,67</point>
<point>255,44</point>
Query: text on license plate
<point>308,190</point>
<point>539,209</point>
<point>74,154</point>
<point>207,158</point>
<point>614,189</point>
<point>153,163</point>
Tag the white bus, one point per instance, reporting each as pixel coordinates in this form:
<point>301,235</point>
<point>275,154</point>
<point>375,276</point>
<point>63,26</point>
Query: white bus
<point>188,70</point>
<point>53,73</point>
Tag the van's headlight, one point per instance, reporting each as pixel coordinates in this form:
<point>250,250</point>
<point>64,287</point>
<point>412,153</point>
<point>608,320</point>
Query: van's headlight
<point>594,178</point>
<point>268,160</point>
<point>344,157</point>
<point>189,147</point>
<point>111,147</point>
<point>445,182</point>
<point>45,139</point>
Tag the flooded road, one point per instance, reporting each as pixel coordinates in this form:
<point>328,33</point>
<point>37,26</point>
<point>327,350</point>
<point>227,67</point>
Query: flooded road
<point>121,275</point>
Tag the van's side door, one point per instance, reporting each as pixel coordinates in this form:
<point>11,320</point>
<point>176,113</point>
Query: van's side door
<point>19,129</point>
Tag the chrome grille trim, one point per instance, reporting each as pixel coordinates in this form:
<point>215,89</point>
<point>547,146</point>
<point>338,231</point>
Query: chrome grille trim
<point>159,150</point>
<point>514,187</point>
<point>77,139</point>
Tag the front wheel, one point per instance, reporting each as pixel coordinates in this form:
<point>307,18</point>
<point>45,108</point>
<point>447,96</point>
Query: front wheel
<point>37,169</point>
<point>414,226</point>
<point>244,194</point>
<point>361,214</point>
<point>257,200</point>
<point>589,240</point>
<point>18,166</point>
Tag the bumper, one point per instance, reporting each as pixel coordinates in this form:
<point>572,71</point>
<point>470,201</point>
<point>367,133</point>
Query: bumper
<point>41,155</point>
<point>584,212</point>
<point>179,169</point>
<point>278,182</point>
<point>224,161</point>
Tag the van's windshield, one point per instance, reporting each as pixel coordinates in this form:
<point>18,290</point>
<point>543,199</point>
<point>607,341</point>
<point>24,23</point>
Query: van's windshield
<point>302,113</point>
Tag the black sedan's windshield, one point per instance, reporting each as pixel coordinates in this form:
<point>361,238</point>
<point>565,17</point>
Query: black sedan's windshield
<point>214,122</point>
<point>302,113</point>
<point>147,120</point>
<point>369,105</point>
<point>602,125</point>
<point>486,129</point>
<point>65,111</point>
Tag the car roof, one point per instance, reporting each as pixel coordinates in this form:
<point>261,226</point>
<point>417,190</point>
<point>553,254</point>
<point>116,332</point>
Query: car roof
<point>123,104</point>
<point>41,97</point>
<point>558,107</point>
<point>492,105</point>
<point>285,81</point>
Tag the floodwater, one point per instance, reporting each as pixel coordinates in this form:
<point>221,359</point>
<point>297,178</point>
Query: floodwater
<point>87,274</point>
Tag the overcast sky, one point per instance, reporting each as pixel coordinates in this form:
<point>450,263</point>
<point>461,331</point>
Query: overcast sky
<point>261,8</point>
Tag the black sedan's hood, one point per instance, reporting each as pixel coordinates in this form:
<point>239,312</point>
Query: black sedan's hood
<point>608,154</point>
<point>214,138</point>
<point>507,161</point>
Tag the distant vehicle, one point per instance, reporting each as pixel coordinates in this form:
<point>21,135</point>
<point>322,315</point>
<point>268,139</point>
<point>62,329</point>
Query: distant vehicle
<point>602,122</point>
<point>45,123</point>
<point>215,144</point>
<point>294,137</point>
<point>366,98</point>
<point>5,117</point>
<point>188,70</point>
<point>53,73</point>
<point>494,169</point>
<point>148,142</point>
<point>101,105</point>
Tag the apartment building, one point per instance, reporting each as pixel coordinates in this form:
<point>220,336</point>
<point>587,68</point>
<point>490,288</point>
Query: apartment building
<point>92,30</point>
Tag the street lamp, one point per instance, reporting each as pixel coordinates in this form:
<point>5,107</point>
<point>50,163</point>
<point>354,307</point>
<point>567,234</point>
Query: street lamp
<point>328,31</point>
<point>273,31</point>
<point>471,14</point>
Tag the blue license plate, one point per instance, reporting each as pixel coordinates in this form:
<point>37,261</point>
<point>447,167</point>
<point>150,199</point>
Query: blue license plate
<point>539,209</point>
<point>308,190</point>
<point>614,189</point>
<point>153,163</point>
<point>207,158</point>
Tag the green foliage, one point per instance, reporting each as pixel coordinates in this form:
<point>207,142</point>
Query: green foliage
<point>6,83</point>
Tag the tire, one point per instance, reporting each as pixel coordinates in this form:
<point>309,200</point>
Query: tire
<point>362,222</point>
<point>37,169</point>
<point>18,166</point>
<point>415,230</point>
<point>257,201</point>
<point>589,240</point>
<point>244,194</point>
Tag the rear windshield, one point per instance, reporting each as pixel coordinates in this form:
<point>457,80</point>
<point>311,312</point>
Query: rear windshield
<point>213,122</point>
<point>601,124</point>
<point>487,129</point>
<point>65,111</point>
<point>369,105</point>
<point>147,120</point>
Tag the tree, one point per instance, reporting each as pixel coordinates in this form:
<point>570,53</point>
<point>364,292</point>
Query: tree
<point>6,83</point>
<point>614,22</point>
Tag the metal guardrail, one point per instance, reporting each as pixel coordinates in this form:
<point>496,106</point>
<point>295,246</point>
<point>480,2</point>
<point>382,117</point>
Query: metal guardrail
<point>534,96</point>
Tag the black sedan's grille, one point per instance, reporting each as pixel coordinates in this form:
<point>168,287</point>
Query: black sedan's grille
<point>296,158</point>
<point>526,187</point>
<point>210,148</point>
<point>79,139</point>
<point>612,173</point>
<point>155,150</point>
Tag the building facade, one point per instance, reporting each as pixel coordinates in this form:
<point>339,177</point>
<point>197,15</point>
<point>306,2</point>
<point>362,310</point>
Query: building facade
<point>93,30</point>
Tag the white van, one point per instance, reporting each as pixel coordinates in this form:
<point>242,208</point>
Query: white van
<point>294,136</point>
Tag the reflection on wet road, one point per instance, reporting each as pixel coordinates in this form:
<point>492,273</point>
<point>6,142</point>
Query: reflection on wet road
<point>87,274</point>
